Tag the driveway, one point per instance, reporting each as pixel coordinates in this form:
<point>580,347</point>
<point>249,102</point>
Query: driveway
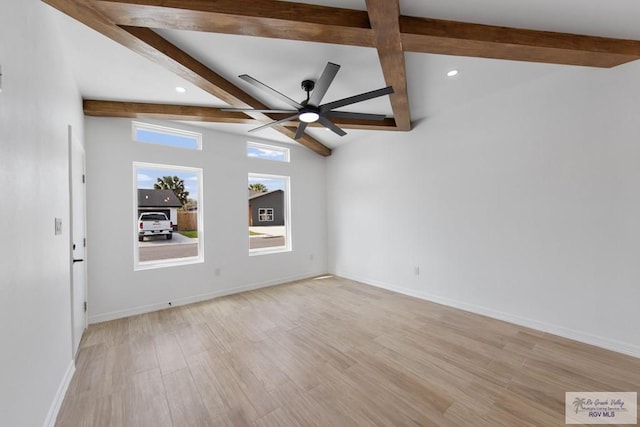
<point>268,237</point>
<point>158,247</point>
<point>177,239</point>
<point>256,242</point>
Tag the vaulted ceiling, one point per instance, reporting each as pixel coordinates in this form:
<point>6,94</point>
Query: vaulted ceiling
<point>205,44</point>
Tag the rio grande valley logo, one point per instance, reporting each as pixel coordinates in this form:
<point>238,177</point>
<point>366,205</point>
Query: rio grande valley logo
<point>601,407</point>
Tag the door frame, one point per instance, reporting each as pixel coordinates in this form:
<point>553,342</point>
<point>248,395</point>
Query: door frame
<point>71,139</point>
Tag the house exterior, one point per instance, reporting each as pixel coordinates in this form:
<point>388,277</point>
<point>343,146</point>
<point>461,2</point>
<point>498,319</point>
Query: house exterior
<point>266,209</point>
<point>164,201</point>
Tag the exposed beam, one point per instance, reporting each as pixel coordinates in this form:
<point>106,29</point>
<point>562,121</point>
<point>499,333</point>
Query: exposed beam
<point>149,44</point>
<point>264,18</point>
<point>307,141</point>
<point>295,21</point>
<point>384,17</point>
<point>381,27</point>
<point>486,41</point>
<point>161,51</point>
<point>98,108</point>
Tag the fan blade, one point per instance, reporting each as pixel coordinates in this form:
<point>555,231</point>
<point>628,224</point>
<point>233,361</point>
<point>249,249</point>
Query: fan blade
<point>277,122</point>
<point>301,127</point>
<point>248,110</point>
<point>323,83</point>
<point>247,78</point>
<point>329,124</point>
<point>348,115</point>
<point>357,98</point>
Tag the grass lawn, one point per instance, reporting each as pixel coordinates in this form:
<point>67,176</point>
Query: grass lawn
<point>193,234</point>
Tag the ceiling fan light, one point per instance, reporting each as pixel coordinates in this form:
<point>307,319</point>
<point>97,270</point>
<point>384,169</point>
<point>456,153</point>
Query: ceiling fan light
<point>309,117</point>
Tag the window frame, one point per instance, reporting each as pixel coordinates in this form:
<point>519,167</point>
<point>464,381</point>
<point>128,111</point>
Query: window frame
<point>135,126</point>
<point>172,262</point>
<point>287,247</point>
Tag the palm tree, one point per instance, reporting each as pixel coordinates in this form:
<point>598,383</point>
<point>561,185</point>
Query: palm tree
<point>258,187</point>
<point>173,183</point>
<point>578,403</point>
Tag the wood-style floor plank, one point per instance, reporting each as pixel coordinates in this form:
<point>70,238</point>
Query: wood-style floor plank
<point>329,352</point>
<point>184,400</point>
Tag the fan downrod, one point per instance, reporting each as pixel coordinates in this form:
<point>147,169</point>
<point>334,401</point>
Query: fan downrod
<point>307,86</point>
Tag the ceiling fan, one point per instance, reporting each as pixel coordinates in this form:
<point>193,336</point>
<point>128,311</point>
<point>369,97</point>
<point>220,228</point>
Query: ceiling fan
<point>310,110</point>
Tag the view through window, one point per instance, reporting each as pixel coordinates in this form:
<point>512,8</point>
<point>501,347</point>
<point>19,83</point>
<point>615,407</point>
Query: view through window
<point>168,218</point>
<point>154,134</point>
<point>269,225</point>
<point>267,152</point>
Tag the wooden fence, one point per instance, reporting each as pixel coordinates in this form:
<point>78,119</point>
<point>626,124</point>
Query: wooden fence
<point>187,221</point>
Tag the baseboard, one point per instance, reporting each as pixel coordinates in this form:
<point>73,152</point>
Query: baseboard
<point>581,336</point>
<point>50,421</point>
<point>104,317</point>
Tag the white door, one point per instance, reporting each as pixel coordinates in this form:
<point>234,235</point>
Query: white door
<point>78,240</point>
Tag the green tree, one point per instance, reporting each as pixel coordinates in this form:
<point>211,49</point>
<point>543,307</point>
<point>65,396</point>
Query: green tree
<point>258,187</point>
<point>173,183</point>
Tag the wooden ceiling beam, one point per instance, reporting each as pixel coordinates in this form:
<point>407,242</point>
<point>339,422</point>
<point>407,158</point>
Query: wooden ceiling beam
<point>273,19</point>
<point>427,35</point>
<point>129,21</point>
<point>138,110</point>
<point>296,21</point>
<point>384,17</point>
<point>152,46</point>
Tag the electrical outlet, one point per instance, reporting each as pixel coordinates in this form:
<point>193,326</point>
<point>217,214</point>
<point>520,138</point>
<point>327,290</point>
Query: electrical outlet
<point>311,257</point>
<point>416,270</point>
<point>58,226</point>
<point>217,272</point>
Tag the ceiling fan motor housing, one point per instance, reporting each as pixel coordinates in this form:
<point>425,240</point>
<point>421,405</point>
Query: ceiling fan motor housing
<point>308,85</point>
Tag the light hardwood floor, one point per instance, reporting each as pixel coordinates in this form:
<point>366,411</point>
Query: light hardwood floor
<point>330,352</point>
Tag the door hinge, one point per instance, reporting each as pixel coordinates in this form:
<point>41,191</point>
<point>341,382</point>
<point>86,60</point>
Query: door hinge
<point>84,178</point>
<point>85,306</point>
<point>84,242</point>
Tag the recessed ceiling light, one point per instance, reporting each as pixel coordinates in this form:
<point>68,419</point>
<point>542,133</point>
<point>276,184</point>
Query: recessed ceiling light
<point>453,72</point>
<point>180,89</point>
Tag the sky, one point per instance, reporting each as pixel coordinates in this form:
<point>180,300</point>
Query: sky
<point>146,177</point>
<point>265,153</point>
<point>172,140</point>
<point>270,183</point>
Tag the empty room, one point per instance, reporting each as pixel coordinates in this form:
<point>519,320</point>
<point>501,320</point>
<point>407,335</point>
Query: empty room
<point>319,213</point>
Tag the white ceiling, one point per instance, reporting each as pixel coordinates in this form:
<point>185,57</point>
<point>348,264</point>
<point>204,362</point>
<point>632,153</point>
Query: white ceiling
<point>107,70</point>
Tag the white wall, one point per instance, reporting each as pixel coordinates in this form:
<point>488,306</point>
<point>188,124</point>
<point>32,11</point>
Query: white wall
<point>116,290</point>
<point>37,103</point>
<point>524,206</point>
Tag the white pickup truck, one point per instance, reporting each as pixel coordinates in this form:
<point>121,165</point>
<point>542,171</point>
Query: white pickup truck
<point>154,224</point>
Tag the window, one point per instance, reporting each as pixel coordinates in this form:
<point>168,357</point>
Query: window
<point>267,152</point>
<point>154,134</point>
<point>168,227</point>
<point>269,215</point>
<point>265,214</point>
